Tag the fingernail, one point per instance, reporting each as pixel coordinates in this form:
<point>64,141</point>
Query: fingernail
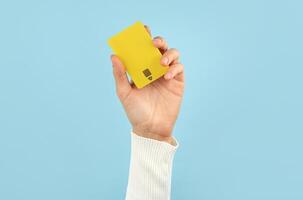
<point>156,41</point>
<point>169,75</point>
<point>164,61</point>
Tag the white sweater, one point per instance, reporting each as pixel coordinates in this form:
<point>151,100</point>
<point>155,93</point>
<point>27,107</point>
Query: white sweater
<point>150,169</point>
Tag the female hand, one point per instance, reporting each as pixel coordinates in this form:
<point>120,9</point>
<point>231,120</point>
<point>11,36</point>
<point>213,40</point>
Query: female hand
<point>153,110</point>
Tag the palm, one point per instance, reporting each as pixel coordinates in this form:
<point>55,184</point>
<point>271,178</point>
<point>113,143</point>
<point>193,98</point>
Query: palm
<point>155,108</point>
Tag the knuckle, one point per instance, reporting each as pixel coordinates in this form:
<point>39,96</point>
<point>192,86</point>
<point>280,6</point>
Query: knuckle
<point>181,66</point>
<point>167,54</point>
<point>119,93</point>
<point>175,51</point>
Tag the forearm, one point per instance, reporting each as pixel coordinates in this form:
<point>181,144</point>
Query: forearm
<point>150,169</point>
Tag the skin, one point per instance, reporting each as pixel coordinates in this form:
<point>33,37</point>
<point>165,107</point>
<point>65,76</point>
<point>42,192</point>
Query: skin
<point>153,110</point>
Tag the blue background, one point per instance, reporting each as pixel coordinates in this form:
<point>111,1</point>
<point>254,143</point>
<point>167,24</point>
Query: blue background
<point>64,134</point>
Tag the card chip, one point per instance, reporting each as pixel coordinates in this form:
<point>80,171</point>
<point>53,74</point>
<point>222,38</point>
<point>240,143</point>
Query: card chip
<point>147,74</point>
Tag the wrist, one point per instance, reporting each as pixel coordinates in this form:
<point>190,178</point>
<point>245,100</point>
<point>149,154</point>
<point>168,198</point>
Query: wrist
<point>168,139</point>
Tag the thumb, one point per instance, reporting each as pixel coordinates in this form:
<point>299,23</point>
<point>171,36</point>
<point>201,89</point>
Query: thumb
<point>123,86</point>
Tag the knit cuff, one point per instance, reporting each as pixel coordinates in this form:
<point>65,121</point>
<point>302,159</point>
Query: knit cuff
<point>150,169</point>
<point>154,149</point>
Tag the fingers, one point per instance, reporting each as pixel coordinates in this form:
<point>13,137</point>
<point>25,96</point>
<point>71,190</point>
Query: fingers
<point>160,43</point>
<point>123,87</point>
<point>170,57</point>
<point>174,70</point>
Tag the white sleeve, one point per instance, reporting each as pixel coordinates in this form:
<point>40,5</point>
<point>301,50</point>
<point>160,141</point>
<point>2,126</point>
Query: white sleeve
<point>150,169</point>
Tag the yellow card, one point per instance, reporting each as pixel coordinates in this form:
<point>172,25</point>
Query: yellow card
<point>141,58</point>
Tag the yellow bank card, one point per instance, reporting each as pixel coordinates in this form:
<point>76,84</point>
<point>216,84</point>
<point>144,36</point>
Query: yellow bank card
<point>140,57</point>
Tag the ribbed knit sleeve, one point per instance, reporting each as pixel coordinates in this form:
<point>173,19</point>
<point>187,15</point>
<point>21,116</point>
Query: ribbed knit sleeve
<point>150,169</point>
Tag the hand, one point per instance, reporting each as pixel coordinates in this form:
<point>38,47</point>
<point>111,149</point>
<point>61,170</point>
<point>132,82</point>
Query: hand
<point>153,110</point>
